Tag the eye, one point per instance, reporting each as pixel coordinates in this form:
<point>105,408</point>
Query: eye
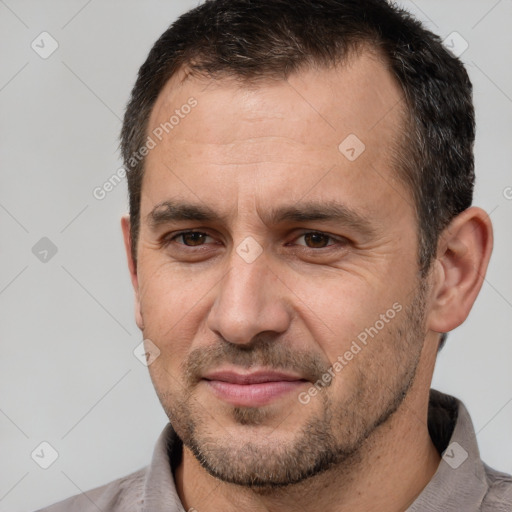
<point>318,240</point>
<point>189,238</point>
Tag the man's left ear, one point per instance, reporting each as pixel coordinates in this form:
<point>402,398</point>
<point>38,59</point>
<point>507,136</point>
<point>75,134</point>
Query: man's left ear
<point>463,254</point>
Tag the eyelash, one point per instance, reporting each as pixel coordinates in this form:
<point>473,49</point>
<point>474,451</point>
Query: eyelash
<point>170,239</point>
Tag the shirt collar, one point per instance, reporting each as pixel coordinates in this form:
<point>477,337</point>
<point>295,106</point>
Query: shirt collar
<point>460,482</point>
<point>160,493</point>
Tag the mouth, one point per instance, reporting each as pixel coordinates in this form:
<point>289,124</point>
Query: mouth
<point>252,389</point>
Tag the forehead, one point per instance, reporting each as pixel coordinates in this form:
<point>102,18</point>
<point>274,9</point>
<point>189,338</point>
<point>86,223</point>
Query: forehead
<point>355,96</point>
<point>275,136</point>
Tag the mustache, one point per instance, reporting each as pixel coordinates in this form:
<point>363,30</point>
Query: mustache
<point>265,352</point>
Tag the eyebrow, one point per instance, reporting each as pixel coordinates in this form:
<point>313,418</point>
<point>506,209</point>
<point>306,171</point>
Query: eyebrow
<point>175,211</point>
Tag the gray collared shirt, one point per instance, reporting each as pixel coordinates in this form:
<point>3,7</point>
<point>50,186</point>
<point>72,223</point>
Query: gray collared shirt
<point>462,482</point>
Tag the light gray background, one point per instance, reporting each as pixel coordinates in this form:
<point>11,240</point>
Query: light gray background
<point>68,375</point>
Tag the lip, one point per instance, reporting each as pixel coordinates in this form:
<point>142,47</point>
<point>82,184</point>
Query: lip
<point>251,389</point>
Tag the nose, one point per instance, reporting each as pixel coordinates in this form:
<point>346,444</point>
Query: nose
<point>251,299</point>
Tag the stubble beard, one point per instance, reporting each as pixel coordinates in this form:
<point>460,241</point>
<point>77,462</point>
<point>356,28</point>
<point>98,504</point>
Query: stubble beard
<point>332,438</point>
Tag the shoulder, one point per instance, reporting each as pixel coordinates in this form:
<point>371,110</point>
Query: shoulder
<point>122,495</point>
<point>499,495</point>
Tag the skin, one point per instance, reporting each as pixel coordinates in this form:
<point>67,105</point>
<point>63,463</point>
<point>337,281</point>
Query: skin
<point>361,443</point>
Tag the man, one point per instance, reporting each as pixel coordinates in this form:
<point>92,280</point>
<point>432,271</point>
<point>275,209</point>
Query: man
<point>300,238</point>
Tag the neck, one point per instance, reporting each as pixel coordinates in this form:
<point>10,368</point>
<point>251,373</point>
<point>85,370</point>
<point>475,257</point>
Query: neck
<point>387,474</point>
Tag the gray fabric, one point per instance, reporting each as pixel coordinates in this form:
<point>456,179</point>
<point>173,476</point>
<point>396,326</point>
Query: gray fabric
<point>460,484</point>
<point>471,486</point>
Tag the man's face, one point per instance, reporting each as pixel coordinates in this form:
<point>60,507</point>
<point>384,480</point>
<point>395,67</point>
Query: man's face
<point>305,256</point>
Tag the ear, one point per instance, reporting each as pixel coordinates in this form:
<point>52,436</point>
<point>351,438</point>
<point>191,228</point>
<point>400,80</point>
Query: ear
<point>132,267</point>
<point>463,254</point>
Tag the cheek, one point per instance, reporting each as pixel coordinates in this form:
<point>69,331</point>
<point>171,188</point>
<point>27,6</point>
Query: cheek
<point>336,311</point>
<point>173,306</point>
<point>166,293</point>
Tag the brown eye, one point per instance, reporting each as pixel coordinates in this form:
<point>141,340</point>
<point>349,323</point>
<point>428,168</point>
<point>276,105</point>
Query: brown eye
<point>192,238</point>
<point>316,240</point>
